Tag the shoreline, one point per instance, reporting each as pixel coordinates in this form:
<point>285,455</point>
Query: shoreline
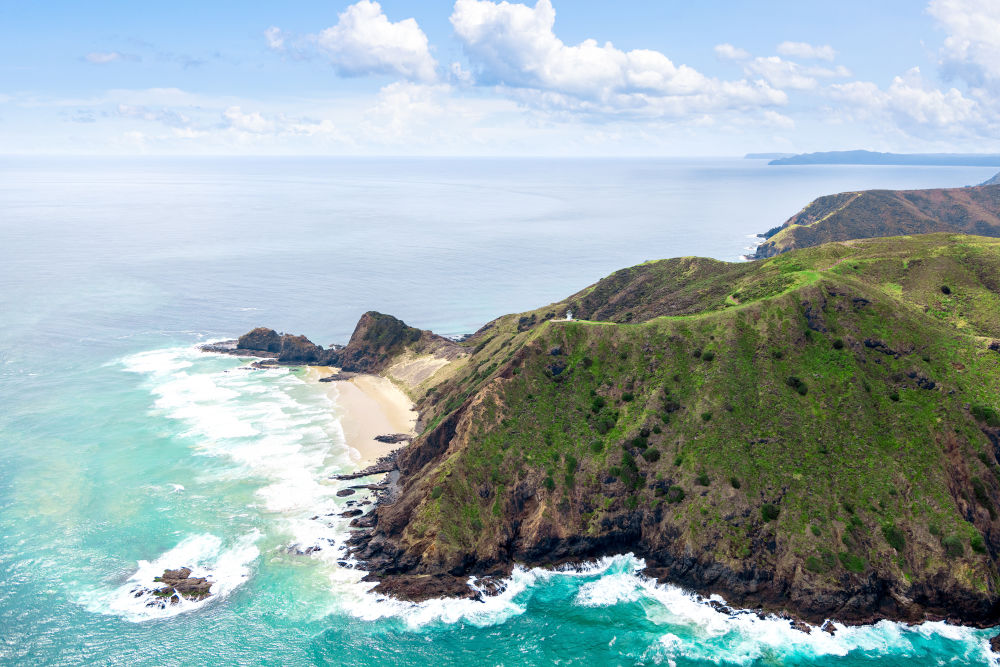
<point>368,406</point>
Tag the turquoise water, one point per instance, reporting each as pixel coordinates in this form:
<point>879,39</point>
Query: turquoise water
<point>123,450</point>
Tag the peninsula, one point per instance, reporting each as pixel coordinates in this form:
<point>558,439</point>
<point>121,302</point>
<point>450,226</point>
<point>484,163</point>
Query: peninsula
<point>816,433</point>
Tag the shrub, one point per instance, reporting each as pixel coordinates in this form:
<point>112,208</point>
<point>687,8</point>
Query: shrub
<point>735,481</point>
<point>797,384</point>
<point>777,354</point>
<point>769,512</point>
<point>652,454</point>
<point>814,564</point>
<point>708,356</point>
<point>632,502</point>
<point>894,397</point>
<point>953,546</point>
<point>598,403</point>
<point>706,416</point>
<point>549,483</point>
<point>894,536</point>
<point>838,343</point>
<point>702,479</point>
<point>977,544</point>
<point>985,413</point>
<point>657,429</point>
<point>851,562</point>
<point>571,464</point>
<point>587,362</point>
<point>596,446</point>
<point>696,354</point>
<point>945,290</point>
<point>436,492</point>
<point>628,397</point>
<point>570,480</point>
<point>678,460</point>
<point>815,530</point>
<point>639,442</point>
<point>979,490</point>
<point>675,494</point>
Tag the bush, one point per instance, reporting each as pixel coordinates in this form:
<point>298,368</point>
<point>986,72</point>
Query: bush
<point>696,354</point>
<point>436,492</point>
<point>769,512</point>
<point>985,413</point>
<point>953,547</point>
<point>639,442</point>
<point>777,354</point>
<point>708,356</point>
<point>851,562</point>
<point>598,403</point>
<point>702,479</point>
<point>675,494</point>
<point>596,446</point>
<point>706,416</point>
<point>570,480</point>
<point>652,454</point>
<point>571,464</point>
<point>814,564</point>
<point>587,362</point>
<point>549,483</point>
<point>735,481</point>
<point>982,497</point>
<point>977,544</point>
<point>628,397</point>
<point>678,460</point>
<point>894,536</point>
<point>797,384</point>
<point>838,343</point>
<point>894,397</point>
<point>945,290</point>
<point>815,530</point>
<point>657,429</point>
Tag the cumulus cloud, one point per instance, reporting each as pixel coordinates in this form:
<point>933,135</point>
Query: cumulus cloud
<point>513,46</point>
<point>730,52</point>
<point>364,41</point>
<point>782,73</point>
<point>972,48</point>
<point>806,51</point>
<point>911,104</point>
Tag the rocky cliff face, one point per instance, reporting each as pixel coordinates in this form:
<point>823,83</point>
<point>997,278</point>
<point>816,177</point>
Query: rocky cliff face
<point>993,181</point>
<point>883,213</point>
<point>815,433</point>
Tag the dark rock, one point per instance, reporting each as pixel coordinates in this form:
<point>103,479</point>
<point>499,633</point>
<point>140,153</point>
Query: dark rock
<point>801,626</point>
<point>349,514</point>
<point>995,643</point>
<point>180,582</point>
<point>829,628</point>
<point>393,438</point>
<point>261,339</point>
<point>345,492</point>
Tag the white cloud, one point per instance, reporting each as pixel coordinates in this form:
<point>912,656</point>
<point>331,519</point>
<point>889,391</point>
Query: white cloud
<point>365,41</point>
<point>253,123</point>
<point>782,73</point>
<point>275,38</point>
<point>107,57</point>
<point>730,52</point>
<point>806,51</point>
<point>972,48</point>
<point>910,104</point>
<point>513,46</point>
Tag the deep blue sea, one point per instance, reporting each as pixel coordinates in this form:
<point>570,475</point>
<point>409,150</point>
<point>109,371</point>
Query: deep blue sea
<point>124,450</point>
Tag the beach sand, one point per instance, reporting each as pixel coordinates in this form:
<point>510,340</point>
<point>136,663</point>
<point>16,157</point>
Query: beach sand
<point>370,405</point>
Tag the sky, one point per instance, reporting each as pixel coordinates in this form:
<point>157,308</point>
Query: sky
<point>484,78</point>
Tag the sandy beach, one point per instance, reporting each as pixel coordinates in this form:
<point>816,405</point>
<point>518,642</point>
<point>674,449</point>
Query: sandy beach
<point>370,406</point>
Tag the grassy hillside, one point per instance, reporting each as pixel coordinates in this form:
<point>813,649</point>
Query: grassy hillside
<point>881,213</point>
<point>817,432</point>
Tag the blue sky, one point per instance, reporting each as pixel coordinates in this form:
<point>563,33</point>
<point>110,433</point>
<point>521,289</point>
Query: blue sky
<point>475,77</point>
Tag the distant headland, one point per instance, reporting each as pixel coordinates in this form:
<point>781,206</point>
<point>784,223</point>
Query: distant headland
<point>874,158</point>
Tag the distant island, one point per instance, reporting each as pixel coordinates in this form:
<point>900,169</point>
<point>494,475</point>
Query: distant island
<point>871,157</point>
<point>877,213</point>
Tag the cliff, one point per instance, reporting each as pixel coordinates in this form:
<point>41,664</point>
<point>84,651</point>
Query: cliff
<point>872,157</point>
<point>815,433</point>
<point>878,213</point>
<point>993,181</point>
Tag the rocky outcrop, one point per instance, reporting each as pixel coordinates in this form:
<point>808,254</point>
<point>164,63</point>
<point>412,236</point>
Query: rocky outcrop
<point>261,339</point>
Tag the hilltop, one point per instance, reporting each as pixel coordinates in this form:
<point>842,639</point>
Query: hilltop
<point>993,181</point>
<point>877,213</point>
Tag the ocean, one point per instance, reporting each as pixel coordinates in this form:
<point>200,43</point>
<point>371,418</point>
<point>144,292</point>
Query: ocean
<point>124,450</point>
